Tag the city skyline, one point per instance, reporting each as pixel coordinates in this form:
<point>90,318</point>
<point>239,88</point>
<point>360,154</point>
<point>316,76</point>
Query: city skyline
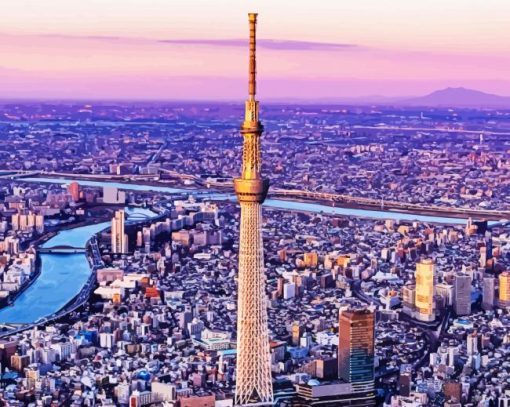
<point>161,51</point>
<point>368,211</point>
<point>193,251</point>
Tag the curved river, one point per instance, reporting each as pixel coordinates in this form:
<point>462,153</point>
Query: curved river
<point>63,276</point>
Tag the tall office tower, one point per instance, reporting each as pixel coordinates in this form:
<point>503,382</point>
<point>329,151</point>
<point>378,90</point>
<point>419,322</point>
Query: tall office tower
<point>356,349</point>
<point>74,190</point>
<point>425,290</point>
<point>297,332</point>
<point>483,256</point>
<point>504,289</point>
<point>119,238</point>
<point>489,289</point>
<point>462,294</point>
<point>472,343</point>
<point>253,375</point>
<point>15,221</point>
<point>39,223</point>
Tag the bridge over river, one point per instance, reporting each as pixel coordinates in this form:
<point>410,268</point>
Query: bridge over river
<point>66,275</point>
<point>62,249</point>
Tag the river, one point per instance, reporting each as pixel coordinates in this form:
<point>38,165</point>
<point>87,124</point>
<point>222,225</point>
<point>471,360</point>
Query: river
<point>271,203</point>
<point>62,275</point>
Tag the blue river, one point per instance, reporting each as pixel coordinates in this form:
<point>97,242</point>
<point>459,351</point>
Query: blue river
<point>63,276</point>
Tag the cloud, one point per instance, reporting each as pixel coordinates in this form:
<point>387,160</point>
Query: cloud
<point>274,44</point>
<point>283,45</point>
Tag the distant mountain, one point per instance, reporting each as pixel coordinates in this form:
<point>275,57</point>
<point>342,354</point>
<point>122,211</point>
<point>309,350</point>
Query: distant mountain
<point>449,97</point>
<point>458,97</point>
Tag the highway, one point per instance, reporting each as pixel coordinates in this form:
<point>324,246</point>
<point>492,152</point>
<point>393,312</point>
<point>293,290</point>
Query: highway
<point>157,154</point>
<point>97,262</point>
<point>433,129</point>
<point>392,205</point>
<point>300,194</point>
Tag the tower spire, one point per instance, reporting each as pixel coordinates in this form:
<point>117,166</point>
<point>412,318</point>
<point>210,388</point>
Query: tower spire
<point>251,128</point>
<point>252,83</point>
<point>253,374</point>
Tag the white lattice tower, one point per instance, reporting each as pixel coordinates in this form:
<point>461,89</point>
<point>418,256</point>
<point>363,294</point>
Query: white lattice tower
<point>253,375</point>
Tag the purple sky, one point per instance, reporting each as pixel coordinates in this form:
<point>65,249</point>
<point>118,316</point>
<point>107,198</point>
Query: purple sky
<point>121,49</point>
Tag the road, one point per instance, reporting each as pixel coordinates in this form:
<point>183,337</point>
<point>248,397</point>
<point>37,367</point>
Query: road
<point>298,194</point>
<point>157,154</point>
<point>433,129</point>
<point>375,204</point>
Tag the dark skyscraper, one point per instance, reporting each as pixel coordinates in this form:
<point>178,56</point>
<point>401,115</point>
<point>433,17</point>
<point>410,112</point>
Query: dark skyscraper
<point>356,348</point>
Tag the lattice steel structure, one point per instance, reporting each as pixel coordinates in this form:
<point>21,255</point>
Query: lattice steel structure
<point>253,376</point>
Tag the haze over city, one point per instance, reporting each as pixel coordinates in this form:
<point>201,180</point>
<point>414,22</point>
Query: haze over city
<point>122,49</point>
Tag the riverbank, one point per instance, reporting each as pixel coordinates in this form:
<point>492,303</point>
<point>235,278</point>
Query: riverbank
<point>7,301</point>
<point>386,209</point>
<point>65,279</point>
<point>40,242</point>
<point>154,186</point>
<point>33,276</point>
<point>450,212</point>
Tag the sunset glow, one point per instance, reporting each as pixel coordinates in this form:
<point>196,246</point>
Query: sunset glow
<point>171,50</point>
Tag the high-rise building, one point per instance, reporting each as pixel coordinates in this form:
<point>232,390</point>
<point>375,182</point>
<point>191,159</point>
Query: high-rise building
<point>453,392</point>
<point>15,221</point>
<point>297,332</point>
<point>462,294</point>
<point>289,291</point>
<point>504,289</point>
<point>39,223</point>
<point>356,348</point>
<point>489,290</point>
<point>311,259</point>
<point>424,301</point>
<point>253,374</point>
<point>504,400</point>
<point>445,291</point>
<point>483,256</point>
<point>112,195</point>
<point>74,190</point>
<point>19,363</point>
<point>409,299</point>
<point>472,343</point>
<point>405,383</point>
<point>327,368</point>
<point>119,238</point>
<point>139,239</point>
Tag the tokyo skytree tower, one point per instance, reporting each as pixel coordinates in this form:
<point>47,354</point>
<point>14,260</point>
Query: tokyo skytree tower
<point>253,375</point>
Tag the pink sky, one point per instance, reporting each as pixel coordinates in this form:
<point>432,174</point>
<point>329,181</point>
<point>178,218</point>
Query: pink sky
<point>195,49</point>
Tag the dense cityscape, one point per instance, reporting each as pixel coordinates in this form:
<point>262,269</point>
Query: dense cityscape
<point>444,157</point>
<point>155,323</point>
<point>207,254</point>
